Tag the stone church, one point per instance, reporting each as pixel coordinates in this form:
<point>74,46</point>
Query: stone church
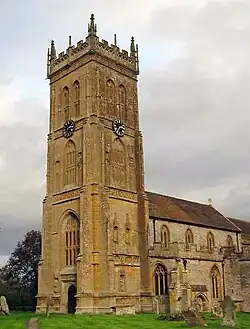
<point>107,244</point>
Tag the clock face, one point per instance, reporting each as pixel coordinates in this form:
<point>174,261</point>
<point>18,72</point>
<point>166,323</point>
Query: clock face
<point>119,127</point>
<point>68,128</point>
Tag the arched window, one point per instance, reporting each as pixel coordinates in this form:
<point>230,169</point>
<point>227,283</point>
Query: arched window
<point>72,240</point>
<point>165,237</point>
<point>189,238</point>
<point>110,96</point>
<point>122,102</point>
<point>230,241</point>
<point>210,242</point>
<point>215,282</point>
<point>161,280</point>
<point>76,97</point>
<point>70,163</point>
<point>66,102</point>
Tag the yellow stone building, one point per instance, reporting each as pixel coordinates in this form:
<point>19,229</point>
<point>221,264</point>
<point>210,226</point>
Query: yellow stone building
<point>107,244</point>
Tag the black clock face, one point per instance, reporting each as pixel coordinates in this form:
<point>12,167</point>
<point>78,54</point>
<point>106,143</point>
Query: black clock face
<point>119,127</point>
<point>68,128</point>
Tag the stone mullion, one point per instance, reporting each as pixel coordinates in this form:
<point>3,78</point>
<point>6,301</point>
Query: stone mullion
<point>158,284</point>
<point>164,283</point>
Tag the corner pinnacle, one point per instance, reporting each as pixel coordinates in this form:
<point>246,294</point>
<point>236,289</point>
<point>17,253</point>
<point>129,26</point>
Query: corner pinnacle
<point>92,29</point>
<point>52,50</point>
<point>132,47</point>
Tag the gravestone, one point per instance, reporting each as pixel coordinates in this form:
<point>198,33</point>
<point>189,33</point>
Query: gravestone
<point>33,323</point>
<point>216,310</point>
<point>198,308</point>
<point>229,317</point>
<point>4,308</point>
<point>193,319</point>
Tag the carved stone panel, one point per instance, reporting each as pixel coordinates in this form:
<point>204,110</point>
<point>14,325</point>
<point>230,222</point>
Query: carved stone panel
<point>65,196</point>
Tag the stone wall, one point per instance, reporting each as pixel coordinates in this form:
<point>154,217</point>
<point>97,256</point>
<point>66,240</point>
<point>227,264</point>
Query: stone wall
<point>199,261</point>
<point>245,277</point>
<point>177,233</point>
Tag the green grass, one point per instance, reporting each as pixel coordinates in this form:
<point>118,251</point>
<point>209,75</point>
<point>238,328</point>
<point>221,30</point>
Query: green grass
<point>145,321</point>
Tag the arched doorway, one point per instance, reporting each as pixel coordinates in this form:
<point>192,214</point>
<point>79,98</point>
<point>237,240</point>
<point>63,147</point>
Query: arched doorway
<point>72,299</point>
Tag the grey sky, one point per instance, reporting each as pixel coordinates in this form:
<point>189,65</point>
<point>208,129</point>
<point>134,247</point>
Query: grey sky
<point>194,97</point>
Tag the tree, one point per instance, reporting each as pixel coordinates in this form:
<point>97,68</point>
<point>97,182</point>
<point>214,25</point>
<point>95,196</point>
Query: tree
<point>19,276</point>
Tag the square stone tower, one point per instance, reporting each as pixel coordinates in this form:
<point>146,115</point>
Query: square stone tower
<point>94,231</point>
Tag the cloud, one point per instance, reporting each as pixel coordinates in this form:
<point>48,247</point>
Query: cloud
<point>195,107</point>
<point>194,98</point>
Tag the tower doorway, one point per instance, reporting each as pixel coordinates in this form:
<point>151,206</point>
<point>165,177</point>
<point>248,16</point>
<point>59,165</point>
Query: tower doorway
<point>72,299</point>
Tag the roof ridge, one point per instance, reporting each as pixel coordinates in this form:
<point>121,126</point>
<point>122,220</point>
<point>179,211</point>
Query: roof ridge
<point>241,220</point>
<point>176,198</point>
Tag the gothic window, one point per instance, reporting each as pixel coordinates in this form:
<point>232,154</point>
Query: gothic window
<point>76,98</point>
<point>72,240</point>
<point>165,237</point>
<point>127,231</point>
<point>215,282</point>
<point>66,102</point>
<point>161,280</point>
<point>189,238</point>
<point>210,242</point>
<point>110,96</point>
<point>70,163</point>
<point>118,164</point>
<point>122,102</point>
<point>230,241</point>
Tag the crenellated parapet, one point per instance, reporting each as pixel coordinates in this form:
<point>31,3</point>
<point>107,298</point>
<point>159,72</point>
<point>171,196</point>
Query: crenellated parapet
<point>92,46</point>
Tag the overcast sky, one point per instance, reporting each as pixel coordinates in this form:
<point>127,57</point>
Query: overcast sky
<point>194,98</point>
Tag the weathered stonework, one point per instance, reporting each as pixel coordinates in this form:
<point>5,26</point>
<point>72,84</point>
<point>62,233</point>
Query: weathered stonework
<point>107,244</point>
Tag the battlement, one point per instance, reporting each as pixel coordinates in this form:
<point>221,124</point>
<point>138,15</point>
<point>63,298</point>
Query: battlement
<point>92,45</point>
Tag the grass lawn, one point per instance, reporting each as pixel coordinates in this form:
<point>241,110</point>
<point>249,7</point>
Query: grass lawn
<point>145,321</point>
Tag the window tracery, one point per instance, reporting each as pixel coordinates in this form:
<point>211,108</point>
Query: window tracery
<point>165,237</point>
<point>189,238</point>
<point>66,102</point>
<point>72,240</point>
<point>110,97</point>
<point>210,242</point>
<point>215,282</point>
<point>76,97</point>
<point>230,241</point>
<point>161,280</point>
<point>70,163</point>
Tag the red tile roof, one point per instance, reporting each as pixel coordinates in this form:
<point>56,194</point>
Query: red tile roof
<point>184,211</point>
